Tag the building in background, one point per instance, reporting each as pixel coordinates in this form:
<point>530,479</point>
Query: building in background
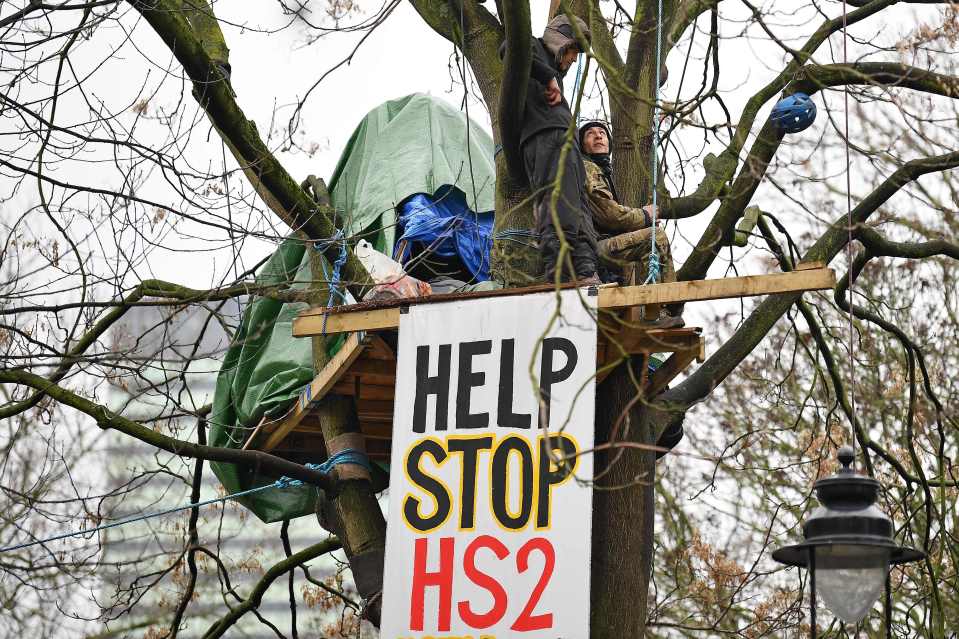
<point>169,364</point>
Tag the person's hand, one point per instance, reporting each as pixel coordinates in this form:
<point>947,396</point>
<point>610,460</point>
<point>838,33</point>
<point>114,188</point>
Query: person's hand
<point>649,209</point>
<point>553,95</point>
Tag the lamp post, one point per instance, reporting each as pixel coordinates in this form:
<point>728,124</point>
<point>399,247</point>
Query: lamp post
<point>848,546</point>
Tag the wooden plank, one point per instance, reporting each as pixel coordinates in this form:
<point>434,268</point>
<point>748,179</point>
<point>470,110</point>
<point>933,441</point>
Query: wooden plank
<point>439,297</point>
<point>655,340</point>
<point>297,445</point>
<point>672,367</point>
<point>378,349</point>
<point>321,384</point>
<point>368,379</point>
<point>377,430</point>
<point>308,426</point>
<point>377,367</point>
<point>396,304</point>
<point>310,322</point>
<point>307,325</point>
<point>701,290</point>
<point>374,411</point>
<point>367,391</point>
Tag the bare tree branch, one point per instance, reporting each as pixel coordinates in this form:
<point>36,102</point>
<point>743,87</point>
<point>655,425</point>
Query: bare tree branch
<point>108,419</point>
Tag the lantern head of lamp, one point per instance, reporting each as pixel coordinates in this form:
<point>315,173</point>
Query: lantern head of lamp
<point>848,543</point>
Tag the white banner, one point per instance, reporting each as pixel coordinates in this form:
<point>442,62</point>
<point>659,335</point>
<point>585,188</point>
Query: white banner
<point>488,537</point>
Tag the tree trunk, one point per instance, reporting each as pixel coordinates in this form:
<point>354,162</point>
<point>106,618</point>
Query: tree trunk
<point>352,512</point>
<point>623,510</point>
<point>632,142</point>
<point>624,497</point>
<point>515,259</point>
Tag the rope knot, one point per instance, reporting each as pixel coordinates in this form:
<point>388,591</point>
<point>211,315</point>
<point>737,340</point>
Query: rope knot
<point>334,279</point>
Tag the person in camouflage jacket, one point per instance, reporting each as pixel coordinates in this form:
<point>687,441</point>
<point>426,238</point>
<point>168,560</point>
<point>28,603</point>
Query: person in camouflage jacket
<point>624,231</point>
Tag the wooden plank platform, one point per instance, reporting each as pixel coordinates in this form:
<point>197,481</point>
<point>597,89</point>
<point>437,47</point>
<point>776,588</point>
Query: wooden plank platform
<point>365,367</point>
<point>370,316</point>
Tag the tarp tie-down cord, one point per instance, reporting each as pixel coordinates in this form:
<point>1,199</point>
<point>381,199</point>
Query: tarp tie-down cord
<point>334,280</point>
<point>653,276</point>
<point>345,456</point>
<point>516,235</point>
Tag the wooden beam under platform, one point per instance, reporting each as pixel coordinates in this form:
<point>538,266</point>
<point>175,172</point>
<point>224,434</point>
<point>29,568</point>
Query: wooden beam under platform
<point>269,433</point>
<point>370,316</point>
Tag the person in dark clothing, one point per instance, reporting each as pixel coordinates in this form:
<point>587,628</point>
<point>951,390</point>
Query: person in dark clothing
<point>546,119</point>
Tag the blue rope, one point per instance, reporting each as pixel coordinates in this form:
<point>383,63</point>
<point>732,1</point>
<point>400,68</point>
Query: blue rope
<point>579,70</point>
<point>653,276</point>
<point>346,456</point>
<point>334,280</point>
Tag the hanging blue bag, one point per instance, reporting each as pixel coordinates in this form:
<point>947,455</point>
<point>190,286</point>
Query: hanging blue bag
<point>794,113</point>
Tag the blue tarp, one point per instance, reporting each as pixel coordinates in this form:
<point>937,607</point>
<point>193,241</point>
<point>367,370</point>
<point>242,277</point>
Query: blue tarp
<point>444,225</point>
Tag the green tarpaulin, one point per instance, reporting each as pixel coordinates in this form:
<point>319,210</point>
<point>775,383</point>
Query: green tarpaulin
<point>415,144</point>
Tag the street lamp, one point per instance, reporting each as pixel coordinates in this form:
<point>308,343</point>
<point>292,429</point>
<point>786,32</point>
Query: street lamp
<point>848,546</point>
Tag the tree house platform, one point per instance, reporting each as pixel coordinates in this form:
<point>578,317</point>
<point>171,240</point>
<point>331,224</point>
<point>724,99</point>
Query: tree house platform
<point>365,366</point>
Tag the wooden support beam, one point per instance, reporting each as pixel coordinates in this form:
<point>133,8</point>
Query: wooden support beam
<point>342,319</point>
<point>327,379</point>
<point>672,367</point>
<point>371,320</point>
<point>691,347</point>
<point>634,340</point>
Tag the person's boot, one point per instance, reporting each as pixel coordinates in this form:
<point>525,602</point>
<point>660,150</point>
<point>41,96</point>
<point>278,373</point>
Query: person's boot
<point>666,320</point>
<point>586,273</point>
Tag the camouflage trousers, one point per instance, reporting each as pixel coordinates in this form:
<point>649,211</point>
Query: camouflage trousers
<point>628,255</point>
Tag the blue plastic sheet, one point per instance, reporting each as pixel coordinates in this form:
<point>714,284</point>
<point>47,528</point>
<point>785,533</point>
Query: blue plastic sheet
<point>444,225</point>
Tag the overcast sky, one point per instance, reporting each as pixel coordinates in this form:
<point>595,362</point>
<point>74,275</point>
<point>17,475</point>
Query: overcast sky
<point>404,56</point>
<point>272,67</point>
